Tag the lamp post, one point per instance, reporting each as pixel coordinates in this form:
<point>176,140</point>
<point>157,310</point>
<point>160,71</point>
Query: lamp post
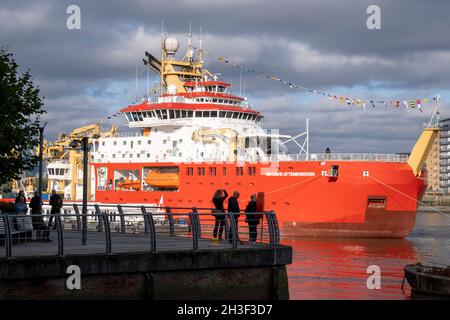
<point>75,144</point>
<point>41,147</point>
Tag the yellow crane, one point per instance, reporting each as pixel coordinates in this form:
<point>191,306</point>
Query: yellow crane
<point>60,150</point>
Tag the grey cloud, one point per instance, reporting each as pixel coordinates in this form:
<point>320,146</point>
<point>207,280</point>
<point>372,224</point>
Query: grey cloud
<point>86,74</point>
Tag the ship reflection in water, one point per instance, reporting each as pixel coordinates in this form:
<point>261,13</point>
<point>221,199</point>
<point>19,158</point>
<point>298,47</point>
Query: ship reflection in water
<point>336,268</point>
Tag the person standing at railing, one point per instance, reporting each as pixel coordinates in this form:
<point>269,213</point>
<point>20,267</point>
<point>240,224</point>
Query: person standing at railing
<point>56,203</point>
<point>219,212</point>
<point>252,218</point>
<point>233,207</point>
<point>38,222</point>
<point>20,194</point>
<point>21,211</point>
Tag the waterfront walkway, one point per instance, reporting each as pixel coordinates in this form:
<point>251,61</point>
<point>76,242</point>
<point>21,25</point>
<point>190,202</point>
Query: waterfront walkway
<point>120,243</point>
<point>110,229</point>
<point>139,252</point>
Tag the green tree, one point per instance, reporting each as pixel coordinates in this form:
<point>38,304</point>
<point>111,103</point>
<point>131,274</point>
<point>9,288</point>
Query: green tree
<point>20,111</point>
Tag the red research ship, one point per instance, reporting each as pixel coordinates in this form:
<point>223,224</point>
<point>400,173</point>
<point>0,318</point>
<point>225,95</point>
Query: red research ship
<point>198,137</point>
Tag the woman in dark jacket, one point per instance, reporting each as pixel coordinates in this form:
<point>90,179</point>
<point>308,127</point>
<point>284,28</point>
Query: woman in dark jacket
<point>219,213</point>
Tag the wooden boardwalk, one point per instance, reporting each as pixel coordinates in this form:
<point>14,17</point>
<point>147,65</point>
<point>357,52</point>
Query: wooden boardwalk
<point>120,243</point>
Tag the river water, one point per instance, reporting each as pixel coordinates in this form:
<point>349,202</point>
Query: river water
<point>329,268</point>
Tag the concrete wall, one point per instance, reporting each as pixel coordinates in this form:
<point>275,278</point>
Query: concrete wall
<point>225,274</point>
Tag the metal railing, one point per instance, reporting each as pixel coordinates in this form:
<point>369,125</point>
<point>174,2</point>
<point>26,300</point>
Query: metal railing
<point>352,157</point>
<point>112,229</point>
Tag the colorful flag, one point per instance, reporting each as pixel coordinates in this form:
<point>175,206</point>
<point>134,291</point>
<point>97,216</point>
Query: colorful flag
<point>358,102</point>
<point>364,104</point>
<point>418,104</point>
<point>406,105</point>
<point>412,103</point>
<point>426,100</point>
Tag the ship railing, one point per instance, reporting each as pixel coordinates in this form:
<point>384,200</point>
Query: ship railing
<point>350,157</point>
<point>109,229</point>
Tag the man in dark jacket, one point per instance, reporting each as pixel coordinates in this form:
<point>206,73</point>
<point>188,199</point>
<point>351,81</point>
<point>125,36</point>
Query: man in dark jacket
<point>56,202</point>
<point>233,207</point>
<point>252,218</point>
<point>38,223</point>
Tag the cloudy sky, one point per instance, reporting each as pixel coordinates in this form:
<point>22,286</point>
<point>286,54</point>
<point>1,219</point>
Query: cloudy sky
<point>87,74</point>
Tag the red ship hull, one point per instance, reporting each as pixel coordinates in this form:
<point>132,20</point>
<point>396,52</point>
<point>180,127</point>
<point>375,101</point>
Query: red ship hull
<point>366,199</point>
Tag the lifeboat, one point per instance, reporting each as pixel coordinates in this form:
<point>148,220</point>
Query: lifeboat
<point>130,184</point>
<point>157,179</point>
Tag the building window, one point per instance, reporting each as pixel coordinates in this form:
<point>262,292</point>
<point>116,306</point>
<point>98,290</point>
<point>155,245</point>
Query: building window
<point>149,142</point>
<point>224,171</point>
<point>114,156</point>
<point>189,171</point>
<point>239,171</point>
<point>251,171</point>
<point>115,143</point>
<point>103,143</point>
<point>148,155</point>
<point>212,171</point>
<point>124,142</point>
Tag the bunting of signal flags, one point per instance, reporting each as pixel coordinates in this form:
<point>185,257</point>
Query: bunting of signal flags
<point>109,117</point>
<point>409,104</point>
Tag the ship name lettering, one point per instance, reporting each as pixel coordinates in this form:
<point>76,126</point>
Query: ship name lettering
<point>290,174</point>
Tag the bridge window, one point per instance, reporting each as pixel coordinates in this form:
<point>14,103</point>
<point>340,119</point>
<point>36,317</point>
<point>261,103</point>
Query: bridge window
<point>235,115</point>
<point>229,114</point>
<point>190,113</point>
<point>172,114</point>
<point>198,114</point>
<point>222,114</point>
<point>214,114</point>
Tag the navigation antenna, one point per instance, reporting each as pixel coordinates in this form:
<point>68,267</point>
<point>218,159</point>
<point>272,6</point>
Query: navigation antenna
<point>436,116</point>
<point>136,74</point>
<point>161,80</point>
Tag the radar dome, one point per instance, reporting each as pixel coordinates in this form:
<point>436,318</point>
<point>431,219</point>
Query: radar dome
<point>171,45</point>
